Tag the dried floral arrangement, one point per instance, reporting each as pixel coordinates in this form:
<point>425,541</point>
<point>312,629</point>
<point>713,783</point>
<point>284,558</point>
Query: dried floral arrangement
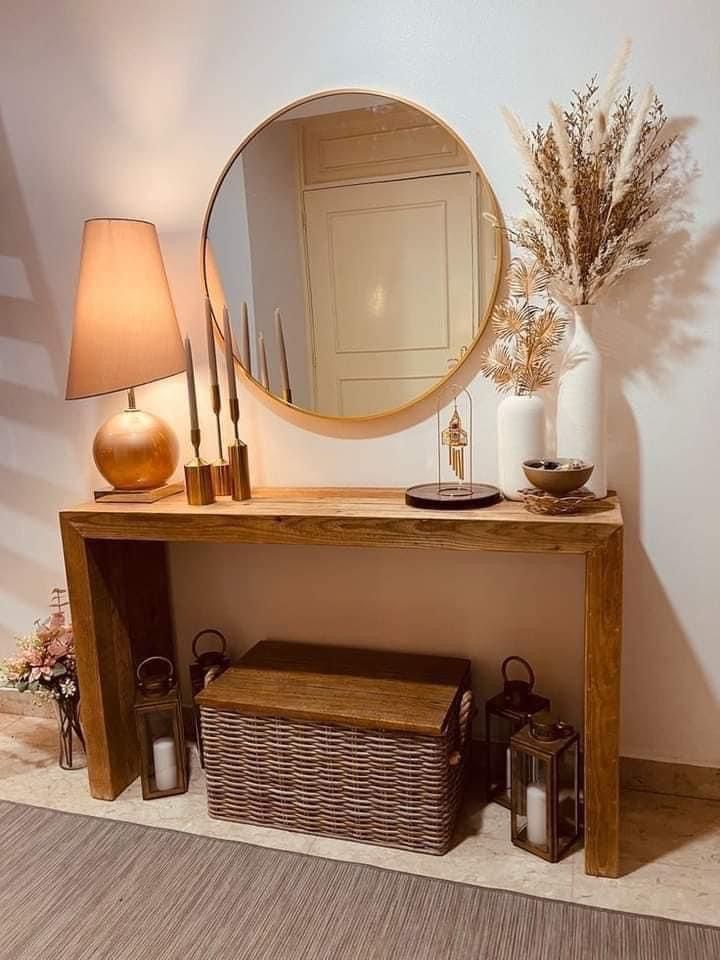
<point>594,183</point>
<point>527,332</point>
<point>45,660</point>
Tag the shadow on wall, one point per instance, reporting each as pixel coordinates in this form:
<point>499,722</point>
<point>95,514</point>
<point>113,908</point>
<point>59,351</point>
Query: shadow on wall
<point>39,438</point>
<point>665,687</point>
<point>648,330</point>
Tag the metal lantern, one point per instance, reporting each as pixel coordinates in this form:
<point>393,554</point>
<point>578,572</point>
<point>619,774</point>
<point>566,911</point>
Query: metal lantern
<point>205,667</point>
<point>545,812</point>
<point>505,714</point>
<point>159,722</point>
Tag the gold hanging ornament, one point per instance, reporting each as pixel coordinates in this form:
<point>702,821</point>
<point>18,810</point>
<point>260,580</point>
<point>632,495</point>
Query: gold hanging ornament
<point>455,438</point>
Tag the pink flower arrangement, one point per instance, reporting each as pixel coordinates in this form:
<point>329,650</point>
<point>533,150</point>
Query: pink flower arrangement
<point>45,660</point>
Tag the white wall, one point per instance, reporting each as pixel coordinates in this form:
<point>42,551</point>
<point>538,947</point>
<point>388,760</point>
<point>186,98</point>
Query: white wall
<point>131,109</point>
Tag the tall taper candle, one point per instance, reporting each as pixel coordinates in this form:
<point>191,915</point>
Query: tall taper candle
<point>229,361</point>
<point>262,362</point>
<point>284,374</point>
<point>192,399</point>
<point>212,359</point>
<point>245,342</point>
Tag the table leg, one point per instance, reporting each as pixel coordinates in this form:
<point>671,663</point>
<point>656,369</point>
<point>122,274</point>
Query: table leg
<point>603,639</point>
<point>121,613</point>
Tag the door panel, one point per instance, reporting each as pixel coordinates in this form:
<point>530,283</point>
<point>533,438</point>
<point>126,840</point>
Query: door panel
<point>392,287</point>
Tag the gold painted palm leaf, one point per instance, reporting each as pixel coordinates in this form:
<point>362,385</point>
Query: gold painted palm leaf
<point>526,280</point>
<point>497,365</point>
<point>511,317</point>
<point>550,328</point>
<point>527,333</point>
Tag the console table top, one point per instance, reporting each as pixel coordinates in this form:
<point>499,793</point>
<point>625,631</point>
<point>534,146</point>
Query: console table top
<point>347,516</point>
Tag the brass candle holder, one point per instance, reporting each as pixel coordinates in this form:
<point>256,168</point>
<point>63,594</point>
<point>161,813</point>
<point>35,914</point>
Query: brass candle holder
<point>220,469</point>
<point>238,456</point>
<point>198,476</point>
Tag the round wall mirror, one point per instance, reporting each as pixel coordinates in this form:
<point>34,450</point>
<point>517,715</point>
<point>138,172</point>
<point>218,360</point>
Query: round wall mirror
<point>347,239</point>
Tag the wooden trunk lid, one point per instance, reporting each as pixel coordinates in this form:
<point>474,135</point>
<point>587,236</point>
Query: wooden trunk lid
<point>341,686</point>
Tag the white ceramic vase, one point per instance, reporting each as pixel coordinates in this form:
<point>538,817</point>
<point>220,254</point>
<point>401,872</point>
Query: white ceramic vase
<point>521,436</point>
<point>581,410</point>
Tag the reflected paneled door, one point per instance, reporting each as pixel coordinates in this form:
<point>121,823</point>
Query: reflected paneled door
<point>390,263</point>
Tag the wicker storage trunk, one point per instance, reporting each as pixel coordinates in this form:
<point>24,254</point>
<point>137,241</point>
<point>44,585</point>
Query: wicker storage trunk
<point>349,743</point>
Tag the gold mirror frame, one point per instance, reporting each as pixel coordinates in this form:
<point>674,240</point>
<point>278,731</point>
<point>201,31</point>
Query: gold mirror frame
<point>492,299</point>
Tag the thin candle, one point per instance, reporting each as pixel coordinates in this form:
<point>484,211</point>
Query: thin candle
<point>245,341</point>
<point>190,374</point>
<point>212,358</point>
<point>236,349</point>
<point>264,376</point>
<point>229,359</point>
<point>284,374</point>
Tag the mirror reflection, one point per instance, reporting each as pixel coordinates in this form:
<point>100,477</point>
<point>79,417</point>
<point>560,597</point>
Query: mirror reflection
<point>347,240</point>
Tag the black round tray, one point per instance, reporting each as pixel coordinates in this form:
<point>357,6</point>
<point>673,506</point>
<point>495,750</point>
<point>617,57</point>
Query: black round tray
<point>428,496</point>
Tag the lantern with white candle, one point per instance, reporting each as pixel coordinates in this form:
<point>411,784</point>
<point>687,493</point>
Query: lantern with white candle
<point>159,723</point>
<point>505,714</point>
<point>545,810</point>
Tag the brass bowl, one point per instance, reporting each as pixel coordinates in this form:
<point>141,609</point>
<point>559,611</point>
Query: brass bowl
<point>557,476</point>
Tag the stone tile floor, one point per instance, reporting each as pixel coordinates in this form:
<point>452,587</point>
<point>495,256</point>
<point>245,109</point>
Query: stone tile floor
<point>670,845</point>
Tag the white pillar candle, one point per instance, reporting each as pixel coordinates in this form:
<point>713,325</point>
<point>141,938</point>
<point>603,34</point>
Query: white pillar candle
<point>164,763</point>
<point>536,815</point>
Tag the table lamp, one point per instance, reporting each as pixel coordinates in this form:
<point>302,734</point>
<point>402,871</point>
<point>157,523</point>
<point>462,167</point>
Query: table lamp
<point>126,334</point>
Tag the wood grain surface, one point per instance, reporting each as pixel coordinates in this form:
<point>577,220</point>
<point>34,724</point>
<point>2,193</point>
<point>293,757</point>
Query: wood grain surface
<point>603,641</point>
<point>121,614</point>
<point>370,518</point>
<point>367,689</point>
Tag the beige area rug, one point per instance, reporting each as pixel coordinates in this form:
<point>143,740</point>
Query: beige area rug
<point>82,888</point>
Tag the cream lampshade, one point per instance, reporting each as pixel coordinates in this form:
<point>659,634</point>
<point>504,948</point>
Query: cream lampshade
<point>126,334</point>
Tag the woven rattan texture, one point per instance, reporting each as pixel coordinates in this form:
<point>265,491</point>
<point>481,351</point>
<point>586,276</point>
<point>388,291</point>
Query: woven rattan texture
<point>399,790</point>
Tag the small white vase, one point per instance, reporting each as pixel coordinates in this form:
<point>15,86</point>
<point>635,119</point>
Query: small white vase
<point>521,436</point>
<point>581,416</point>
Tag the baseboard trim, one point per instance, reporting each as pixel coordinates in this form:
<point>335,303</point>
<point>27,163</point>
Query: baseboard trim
<point>648,776</point>
<point>673,779</point>
<point>23,704</point>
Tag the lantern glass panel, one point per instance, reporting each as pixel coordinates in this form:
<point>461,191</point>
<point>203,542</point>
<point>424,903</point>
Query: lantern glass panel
<point>567,795</point>
<point>157,727</point>
<point>500,731</point>
<point>530,802</point>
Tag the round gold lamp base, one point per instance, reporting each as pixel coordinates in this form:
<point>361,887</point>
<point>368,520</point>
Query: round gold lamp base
<point>135,450</point>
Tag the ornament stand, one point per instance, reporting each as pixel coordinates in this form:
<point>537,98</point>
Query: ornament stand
<point>455,492</point>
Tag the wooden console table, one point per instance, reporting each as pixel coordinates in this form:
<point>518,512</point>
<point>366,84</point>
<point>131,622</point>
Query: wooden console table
<point>115,556</point>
